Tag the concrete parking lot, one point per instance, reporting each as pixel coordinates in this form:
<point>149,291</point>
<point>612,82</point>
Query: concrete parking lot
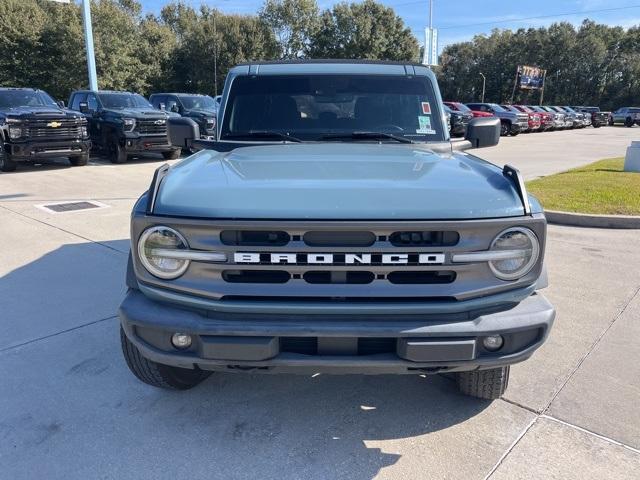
<point>70,409</point>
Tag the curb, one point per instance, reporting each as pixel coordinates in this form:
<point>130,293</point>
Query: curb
<point>592,220</point>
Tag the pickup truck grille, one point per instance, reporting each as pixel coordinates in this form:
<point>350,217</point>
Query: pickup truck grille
<point>54,129</point>
<point>150,127</point>
<point>345,262</point>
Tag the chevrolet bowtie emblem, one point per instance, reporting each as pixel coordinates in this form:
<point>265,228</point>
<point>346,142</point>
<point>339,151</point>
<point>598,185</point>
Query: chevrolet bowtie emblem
<point>53,124</point>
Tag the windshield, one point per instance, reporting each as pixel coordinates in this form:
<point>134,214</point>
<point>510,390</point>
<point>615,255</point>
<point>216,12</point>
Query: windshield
<point>198,102</point>
<point>123,100</point>
<point>25,98</point>
<point>461,107</point>
<point>634,110</point>
<point>309,107</point>
<point>496,107</point>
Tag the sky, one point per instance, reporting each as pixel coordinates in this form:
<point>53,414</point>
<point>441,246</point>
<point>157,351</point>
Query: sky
<point>459,20</point>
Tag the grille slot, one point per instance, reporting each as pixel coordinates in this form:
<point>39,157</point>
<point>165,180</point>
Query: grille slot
<point>255,238</point>
<point>256,276</point>
<point>422,278</point>
<point>345,277</point>
<point>309,345</point>
<point>424,238</point>
<point>339,239</point>
<point>303,345</point>
<point>372,346</point>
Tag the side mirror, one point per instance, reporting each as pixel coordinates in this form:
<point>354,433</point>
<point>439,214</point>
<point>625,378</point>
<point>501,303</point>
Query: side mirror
<point>61,103</point>
<point>162,106</point>
<point>483,132</point>
<point>84,107</point>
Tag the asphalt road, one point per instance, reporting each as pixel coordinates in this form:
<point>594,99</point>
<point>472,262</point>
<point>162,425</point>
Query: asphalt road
<point>70,409</point>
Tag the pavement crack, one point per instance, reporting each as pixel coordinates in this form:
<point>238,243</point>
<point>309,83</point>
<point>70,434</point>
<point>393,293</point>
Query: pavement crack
<point>63,230</point>
<point>590,432</point>
<point>589,350</point>
<point>45,337</point>
<point>511,447</point>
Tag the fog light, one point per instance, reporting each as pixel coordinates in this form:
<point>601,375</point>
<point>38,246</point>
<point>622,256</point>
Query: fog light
<point>493,343</point>
<point>181,340</point>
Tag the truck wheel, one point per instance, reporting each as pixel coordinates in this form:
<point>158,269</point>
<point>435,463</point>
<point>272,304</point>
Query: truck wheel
<point>116,153</point>
<point>157,374</point>
<point>487,384</point>
<point>6,164</point>
<point>596,124</point>
<point>505,129</point>
<point>628,122</point>
<point>80,160</point>
<point>171,155</point>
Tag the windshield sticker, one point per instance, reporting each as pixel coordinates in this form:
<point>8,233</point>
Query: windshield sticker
<point>424,121</point>
<point>426,108</point>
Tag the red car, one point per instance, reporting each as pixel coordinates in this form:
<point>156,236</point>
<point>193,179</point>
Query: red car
<point>461,107</point>
<point>534,120</point>
<point>546,118</point>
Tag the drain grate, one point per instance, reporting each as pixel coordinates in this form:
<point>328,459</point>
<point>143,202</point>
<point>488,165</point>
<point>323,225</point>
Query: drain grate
<point>64,207</point>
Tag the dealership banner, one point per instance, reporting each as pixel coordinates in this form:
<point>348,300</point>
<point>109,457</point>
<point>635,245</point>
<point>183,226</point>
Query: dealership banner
<point>530,77</point>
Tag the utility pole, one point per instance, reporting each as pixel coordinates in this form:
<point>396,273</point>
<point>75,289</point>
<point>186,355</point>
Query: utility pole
<point>88,41</point>
<point>215,55</point>
<point>484,82</point>
<point>430,54</point>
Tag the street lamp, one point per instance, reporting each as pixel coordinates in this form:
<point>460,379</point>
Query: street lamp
<point>88,41</point>
<point>484,81</point>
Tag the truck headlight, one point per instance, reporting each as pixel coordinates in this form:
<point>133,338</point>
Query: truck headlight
<point>129,124</point>
<point>84,131</point>
<point>521,251</point>
<point>155,249</point>
<point>15,132</point>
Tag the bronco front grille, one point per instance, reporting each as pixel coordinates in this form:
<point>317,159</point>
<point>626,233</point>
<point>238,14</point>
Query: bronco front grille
<point>339,262</point>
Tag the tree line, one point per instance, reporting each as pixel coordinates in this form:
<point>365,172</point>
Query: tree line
<point>179,49</point>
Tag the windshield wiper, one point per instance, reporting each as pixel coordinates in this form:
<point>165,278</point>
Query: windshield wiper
<point>365,136</point>
<point>262,134</point>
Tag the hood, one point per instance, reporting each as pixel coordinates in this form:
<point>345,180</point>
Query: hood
<point>325,181</point>
<point>138,113</point>
<point>38,111</point>
<point>199,112</point>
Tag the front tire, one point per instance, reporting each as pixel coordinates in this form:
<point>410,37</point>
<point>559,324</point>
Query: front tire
<point>157,374</point>
<point>80,160</point>
<point>6,164</point>
<point>628,122</point>
<point>486,384</point>
<point>171,155</point>
<point>596,124</point>
<point>117,153</point>
<point>505,129</point>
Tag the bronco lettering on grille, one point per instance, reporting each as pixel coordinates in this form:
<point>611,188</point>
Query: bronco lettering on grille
<point>340,258</point>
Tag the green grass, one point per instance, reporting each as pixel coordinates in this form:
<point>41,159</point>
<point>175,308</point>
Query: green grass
<point>601,187</point>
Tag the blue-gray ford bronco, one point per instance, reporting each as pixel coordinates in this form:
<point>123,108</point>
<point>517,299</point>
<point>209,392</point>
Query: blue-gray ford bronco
<point>334,228</point>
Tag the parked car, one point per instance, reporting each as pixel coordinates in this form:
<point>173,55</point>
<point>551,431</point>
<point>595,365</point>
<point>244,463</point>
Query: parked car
<point>627,116</point>
<point>570,120</point>
<point>560,121</point>
<point>336,230</point>
<point>546,118</point>
<point>598,118</point>
<point>580,119</point>
<point>122,124</point>
<point>534,124</point>
<point>512,123</point>
<point>34,127</point>
<point>461,107</point>
<point>201,108</point>
<point>458,121</point>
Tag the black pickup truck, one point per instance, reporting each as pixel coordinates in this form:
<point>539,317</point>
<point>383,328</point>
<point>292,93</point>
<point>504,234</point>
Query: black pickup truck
<point>34,127</point>
<point>202,109</point>
<point>123,124</point>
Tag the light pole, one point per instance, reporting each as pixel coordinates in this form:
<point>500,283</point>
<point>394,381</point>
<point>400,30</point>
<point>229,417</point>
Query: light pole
<point>484,81</point>
<point>88,41</point>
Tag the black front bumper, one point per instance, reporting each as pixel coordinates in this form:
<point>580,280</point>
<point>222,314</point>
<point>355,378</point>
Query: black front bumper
<point>37,150</point>
<point>133,143</point>
<point>333,344</point>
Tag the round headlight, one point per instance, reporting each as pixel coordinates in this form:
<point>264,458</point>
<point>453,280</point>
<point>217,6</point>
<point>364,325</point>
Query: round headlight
<point>521,249</point>
<point>15,132</point>
<point>154,249</point>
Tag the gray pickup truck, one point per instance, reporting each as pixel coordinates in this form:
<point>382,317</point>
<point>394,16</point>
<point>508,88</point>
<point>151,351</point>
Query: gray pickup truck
<point>333,227</point>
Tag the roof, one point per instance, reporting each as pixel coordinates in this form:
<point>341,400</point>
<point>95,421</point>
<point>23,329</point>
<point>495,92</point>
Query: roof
<point>331,66</point>
<point>86,90</point>
<point>183,94</point>
<point>25,89</point>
